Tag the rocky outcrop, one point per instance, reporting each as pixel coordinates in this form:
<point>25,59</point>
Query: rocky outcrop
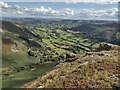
<point>105,46</point>
<point>71,57</point>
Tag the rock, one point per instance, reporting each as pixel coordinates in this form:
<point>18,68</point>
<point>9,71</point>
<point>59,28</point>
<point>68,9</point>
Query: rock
<point>93,49</point>
<point>70,55</point>
<point>89,53</point>
<point>62,77</point>
<point>100,54</point>
<point>40,87</point>
<point>105,46</point>
<point>30,53</point>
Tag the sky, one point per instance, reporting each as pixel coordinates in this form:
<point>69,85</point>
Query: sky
<point>74,1</point>
<point>64,9</point>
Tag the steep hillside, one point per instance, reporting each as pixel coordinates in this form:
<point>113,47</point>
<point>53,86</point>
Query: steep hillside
<point>90,70</point>
<point>12,47</point>
<point>16,61</point>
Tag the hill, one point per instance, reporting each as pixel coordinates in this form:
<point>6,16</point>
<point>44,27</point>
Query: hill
<point>95,32</point>
<point>29,48</point>
<point>90,70</point>
<point>32,47</point>
<point>17,60</point>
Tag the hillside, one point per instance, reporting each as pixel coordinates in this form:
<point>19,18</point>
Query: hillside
<point>32,47</point>
<point>90,70</point>
<point>29,48</point>
<point>17,60</point>
<point>96,32</point>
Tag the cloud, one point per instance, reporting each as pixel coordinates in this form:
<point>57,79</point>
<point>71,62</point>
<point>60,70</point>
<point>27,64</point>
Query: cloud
<point>41,9</point>
<point>76,1</point>
<point>50,11</point>
<point>70,13</point>
<point>19,12</point>
<point>20,8</point>
<point>4,5</point>
<point>44,10</point>
<point>106,13</point>
<point>66,1</point>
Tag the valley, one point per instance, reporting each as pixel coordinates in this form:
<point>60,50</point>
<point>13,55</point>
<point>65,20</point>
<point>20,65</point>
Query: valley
<point>31,48</point>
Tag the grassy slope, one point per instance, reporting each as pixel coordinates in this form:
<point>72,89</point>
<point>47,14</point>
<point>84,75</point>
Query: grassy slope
<point>17,79</point>
<point>13,60</point>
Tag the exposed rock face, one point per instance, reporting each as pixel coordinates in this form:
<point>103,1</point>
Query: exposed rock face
<point>105,46</point>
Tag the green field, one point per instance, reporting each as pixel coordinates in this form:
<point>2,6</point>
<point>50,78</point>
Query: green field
<point>17,79</point>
